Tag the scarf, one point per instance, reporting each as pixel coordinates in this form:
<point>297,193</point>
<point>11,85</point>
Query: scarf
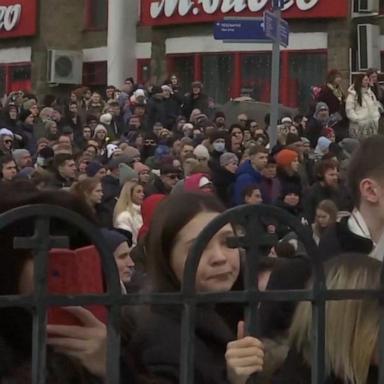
<point>337,92</point>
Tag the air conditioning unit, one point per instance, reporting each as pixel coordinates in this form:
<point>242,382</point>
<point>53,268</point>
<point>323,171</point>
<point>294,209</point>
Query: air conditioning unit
<point>366,6</point>
<point>368,46</point>
<point>65,67</point>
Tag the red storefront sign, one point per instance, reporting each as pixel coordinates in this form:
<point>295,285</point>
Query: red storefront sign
<point>17,18</point>
<point>166,12</point>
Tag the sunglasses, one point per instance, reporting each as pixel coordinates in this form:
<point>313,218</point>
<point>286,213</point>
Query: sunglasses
<point>8,141</point>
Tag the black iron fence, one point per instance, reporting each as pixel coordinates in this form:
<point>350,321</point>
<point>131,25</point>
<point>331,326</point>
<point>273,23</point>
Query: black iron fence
<point>252,239</point>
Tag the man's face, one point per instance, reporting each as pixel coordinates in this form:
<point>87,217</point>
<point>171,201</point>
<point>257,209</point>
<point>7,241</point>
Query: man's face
<point>34,110</point>
<point>139,111</point>
<point>114,110</point>
<point>9,171</point>
<point>87,133</point>
<point>13,114</point>
<point>68,169</point>
<point>64,139</point>
<point>186,151</point>
<point>73,108</point>
<point>242,118</point>
<point>269,171</point>
<point>134,122</point>
<point>373,78</point>
<point>259,160</point>
<point>109,93</point>
<point>331,177</point>
<point>170,180</point>
<point>196,90</point>
<point>323,114</point>
<point>56,116</point>
<point>220,121</point>
<point>25,161</point>
<point>157,128</point>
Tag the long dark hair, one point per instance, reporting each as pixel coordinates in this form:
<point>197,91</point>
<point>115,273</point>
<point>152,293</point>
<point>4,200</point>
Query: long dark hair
<point>170,217</point>
<point>358,86</point>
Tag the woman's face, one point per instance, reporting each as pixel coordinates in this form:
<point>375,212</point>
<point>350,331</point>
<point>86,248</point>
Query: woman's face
<point>322,218</point>
<point>365,82</point>
<point>219,265</point>
<point>96,195</point>
<point>101,135</point>
<point>138,195</point>
<point>53,128</point>
<point>291,199</point>
<point>125,264</point>
<point>237,136</point>
<point>293,130</point>
<point>73,97</point>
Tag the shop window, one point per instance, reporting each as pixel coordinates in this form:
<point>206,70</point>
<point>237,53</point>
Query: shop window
<point>256,76</point>
<point>217,76</point>
<point>96,14</point>
<point>95,73</point>
<point>306,69</point>
<point>183,68</point>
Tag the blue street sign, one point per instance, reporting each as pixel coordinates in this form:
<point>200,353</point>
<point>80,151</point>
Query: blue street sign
<point>272,30</point>
<point>240,29</point>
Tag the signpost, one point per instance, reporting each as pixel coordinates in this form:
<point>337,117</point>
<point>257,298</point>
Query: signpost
<point>271,29</point>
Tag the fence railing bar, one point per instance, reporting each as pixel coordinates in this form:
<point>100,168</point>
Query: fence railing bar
<point>187,345</point>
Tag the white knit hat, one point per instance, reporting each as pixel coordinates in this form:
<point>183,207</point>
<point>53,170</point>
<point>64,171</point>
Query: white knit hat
<point>201,152</point>
<point>106,118</point>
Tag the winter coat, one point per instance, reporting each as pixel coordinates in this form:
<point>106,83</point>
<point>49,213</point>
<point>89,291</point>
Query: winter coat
<point>156,112</point>
<point>270,189</point>
<point>363,119</point>
<point>315,129</point>
<point>190,103</point>
<point>296,371</point>
<point>158,339</point>
<point>130,220</point>
<point>289,181</point>
<point>156,187</point>
<point>335,104</point>
<point>224,182</point>
<point>340,239</point>
<point>172,110</point>
<point>111,190</point>
<point>29,140</point>
<point>246,175</point>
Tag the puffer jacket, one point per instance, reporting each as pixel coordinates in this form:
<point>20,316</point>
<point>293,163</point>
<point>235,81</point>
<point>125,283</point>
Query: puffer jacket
<point>363,119</point>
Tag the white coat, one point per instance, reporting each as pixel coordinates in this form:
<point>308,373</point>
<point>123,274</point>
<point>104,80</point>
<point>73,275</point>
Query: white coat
<point>130,220</point>
<point>363,119</point>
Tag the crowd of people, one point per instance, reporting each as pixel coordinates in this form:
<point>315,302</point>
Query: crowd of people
<point>151,167</point>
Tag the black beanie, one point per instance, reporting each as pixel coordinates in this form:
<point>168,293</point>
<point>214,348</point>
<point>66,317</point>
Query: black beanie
<point>24,114</point>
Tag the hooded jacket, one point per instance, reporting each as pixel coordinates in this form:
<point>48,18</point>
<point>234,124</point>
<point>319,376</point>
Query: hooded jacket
<point>246,175</point>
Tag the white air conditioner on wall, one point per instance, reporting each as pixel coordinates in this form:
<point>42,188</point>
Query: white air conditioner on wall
<point>366,6</point>
<point>368,46</point>
<point>65,67</point>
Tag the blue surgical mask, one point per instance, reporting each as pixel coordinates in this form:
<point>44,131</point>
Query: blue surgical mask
<point>219,147</point>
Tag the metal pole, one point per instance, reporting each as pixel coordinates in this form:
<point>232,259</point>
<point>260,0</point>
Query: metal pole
<point>275,83</point>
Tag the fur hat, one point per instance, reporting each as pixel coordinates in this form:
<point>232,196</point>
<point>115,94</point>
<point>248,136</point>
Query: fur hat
<point>106,118</point>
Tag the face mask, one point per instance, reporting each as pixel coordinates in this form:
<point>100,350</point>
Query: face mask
<point>219,147</point>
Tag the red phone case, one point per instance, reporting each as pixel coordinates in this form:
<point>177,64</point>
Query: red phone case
<point>75,272</point>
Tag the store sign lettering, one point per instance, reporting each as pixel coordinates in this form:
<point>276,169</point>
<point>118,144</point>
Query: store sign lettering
<point>9,17</point>
<point>185,7</point>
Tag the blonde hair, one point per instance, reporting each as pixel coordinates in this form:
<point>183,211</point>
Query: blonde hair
<point>351,326</point>
<point>124,202</point>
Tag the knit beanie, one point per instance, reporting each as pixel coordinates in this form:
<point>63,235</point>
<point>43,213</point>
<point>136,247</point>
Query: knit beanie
<point>219,134</point>
<point>201,152</point>
<point>106,118</point>
<point>92,168</point>
<point>17,154</point>
<point>285,157</point>
<point>140,167</point>
<point>6,132</point>
<point>127,174</point>
<point>323,144</point>
<point>227,158</point>
<point>319,106</point>
<point>24,114</point>
<point>99,128</point>
<point>114,238</point>
<point>132,153</point>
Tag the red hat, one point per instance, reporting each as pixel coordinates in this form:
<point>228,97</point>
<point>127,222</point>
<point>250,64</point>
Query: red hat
<point>147,211</point>
<point>286,157</point>
<point>329,132</point>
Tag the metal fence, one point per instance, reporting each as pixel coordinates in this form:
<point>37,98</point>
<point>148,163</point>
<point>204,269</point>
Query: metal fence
<point>252,240</point>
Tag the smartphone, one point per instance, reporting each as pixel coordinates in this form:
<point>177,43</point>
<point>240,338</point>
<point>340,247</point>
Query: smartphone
<point>75,272</point>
